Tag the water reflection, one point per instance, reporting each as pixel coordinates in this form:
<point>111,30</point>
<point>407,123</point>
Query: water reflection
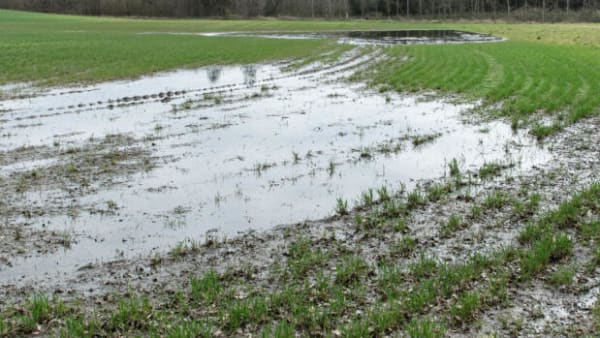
<point>249,74</point>
<point>214,74</point>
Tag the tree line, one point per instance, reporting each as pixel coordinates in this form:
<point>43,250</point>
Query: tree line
<point>537,10</point>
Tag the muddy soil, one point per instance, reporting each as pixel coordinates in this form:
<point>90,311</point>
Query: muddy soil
<point>48,181</point>
<point>536,309</point>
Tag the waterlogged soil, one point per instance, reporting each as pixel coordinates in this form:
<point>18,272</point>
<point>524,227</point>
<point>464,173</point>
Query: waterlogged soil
<point>132,168</point>
<point>534,308</point>
<point>226,166</point>
<point>41,182</point>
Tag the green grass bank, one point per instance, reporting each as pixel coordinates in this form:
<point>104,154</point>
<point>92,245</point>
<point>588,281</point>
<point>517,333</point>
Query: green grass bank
<point>546,75</point>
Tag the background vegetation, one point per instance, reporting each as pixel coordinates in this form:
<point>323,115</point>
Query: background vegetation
<point>545,74</point>
<point>540,10</point>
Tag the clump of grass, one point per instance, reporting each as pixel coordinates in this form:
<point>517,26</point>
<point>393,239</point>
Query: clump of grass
<point>533,232</point>
<point>185,247</point>
<point>590,266</point>
<point>368,198</point>
<point>492,169</point>
<point>525,209</point>
<point>541,131</point>
<point>206,289</point>
<point>242,312</point>
<point>404,247</point>
<point>425,329</point>
<point>190,329</point>
<point>79,326</point>
<point>550,248</point>
<point>420,140</point>
<point>383,194</point>
<point>389,278</point>
<point>496,200</point>
<point>454,168</point>
<point>424,294</point>
<point>423,267</point>
<point>564,276</point>
<point>497,292</point>
<point>596,314</point>
<point>475,212</point>
<point>131,313</point>
<point>436,192</point>
<point>281,329</point>
<point>341,207</point>
<point>415,200</point>
<point>453,224</point>
<point>590,230</point>
<point>569,213</point>
<point>371,221</point>
<point>548,244</point>
<point>39,307</point>
<point>394,208</point>
<point>466,307</point>
<point>400,225</point>
<point>38,311</point>
<point>302,258</point>
<point>357,329</point>
<point>351,270</point>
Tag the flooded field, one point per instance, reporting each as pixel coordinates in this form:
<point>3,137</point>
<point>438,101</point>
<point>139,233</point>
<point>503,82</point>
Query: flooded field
<point>325,195</point>
<point>135,167</point>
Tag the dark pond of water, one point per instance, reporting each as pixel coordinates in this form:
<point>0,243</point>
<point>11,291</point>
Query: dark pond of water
<point>388,37</point>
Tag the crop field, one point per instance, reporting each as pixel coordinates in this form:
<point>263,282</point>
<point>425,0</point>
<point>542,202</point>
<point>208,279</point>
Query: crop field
<point>285,178</point>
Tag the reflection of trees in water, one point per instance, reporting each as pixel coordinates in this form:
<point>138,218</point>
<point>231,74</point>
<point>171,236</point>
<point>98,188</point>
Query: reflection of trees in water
<point>249,74</point>
<point>214,73</point>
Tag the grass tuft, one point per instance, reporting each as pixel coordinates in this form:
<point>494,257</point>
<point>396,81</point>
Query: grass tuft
<point>466,308</point>
<point>425,329</point>
<point>206,289</point>
<point>351,270</point>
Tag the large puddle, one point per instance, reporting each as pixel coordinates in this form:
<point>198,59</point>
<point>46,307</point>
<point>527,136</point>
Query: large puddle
<point>238,148</point>
<point>389,37</point>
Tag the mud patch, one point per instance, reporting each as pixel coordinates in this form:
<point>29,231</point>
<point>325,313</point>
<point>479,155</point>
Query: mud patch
<point>40,182</point>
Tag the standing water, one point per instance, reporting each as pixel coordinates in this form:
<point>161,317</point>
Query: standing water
<point>230,149</point>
